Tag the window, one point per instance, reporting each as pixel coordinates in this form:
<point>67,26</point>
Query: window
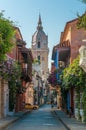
<point>39,59</point>
<point>38,44</point>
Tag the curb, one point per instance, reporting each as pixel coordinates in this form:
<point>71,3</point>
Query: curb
<point>68,128</point>
<point>8,123</point>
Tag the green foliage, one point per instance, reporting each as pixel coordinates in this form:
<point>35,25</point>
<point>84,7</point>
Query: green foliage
<point>16,71</point>
<point>82,80</point>
<point>84,1</point>
<point>6,36</point>
<point>81,21</point>
<point>14,84</point>
<point>78,101</point>
<point>84,103</point>
<point>73,75</point>
<point>36,61</point>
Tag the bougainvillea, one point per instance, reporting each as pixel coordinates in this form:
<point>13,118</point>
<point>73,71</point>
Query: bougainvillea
<point>52,79</point>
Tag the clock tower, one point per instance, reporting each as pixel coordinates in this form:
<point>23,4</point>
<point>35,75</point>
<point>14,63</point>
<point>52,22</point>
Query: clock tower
<point>40,49</point>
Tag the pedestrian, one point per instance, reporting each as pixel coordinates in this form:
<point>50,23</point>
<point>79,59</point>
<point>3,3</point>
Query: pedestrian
<point>71,112</point>
<point>52,103</point>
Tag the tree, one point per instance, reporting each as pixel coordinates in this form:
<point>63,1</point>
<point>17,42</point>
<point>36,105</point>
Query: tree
<point>11,72</point>
<point>6,36</point>
<point>84,1</point>
<point>82,19</point>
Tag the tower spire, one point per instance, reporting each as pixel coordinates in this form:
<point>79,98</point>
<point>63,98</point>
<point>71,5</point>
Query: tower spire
<point>39,27</point>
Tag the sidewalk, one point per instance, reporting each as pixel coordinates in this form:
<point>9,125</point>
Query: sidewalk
<point>11,119</point>
<point>70,123</point>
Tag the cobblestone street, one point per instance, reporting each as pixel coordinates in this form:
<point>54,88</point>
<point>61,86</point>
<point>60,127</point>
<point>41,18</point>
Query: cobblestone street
<point>42,119</point>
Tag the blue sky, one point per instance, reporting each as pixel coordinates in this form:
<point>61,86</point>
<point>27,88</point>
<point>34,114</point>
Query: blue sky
<point>54,14</point>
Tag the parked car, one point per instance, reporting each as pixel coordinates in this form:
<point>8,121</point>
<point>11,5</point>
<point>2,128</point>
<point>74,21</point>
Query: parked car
<point>29,106</point>
<point>48,102</point>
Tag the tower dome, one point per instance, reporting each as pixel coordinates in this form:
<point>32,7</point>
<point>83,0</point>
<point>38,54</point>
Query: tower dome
<point>39,35</point>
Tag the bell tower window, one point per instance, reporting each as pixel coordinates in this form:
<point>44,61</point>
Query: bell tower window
<point>38,44</point>
<point>39,59</point>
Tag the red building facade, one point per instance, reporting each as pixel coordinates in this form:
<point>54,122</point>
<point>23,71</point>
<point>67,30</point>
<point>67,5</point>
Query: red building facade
<point>23,56</point>
<point>71,40</point>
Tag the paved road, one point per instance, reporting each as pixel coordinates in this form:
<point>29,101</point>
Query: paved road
<point>42,119</point>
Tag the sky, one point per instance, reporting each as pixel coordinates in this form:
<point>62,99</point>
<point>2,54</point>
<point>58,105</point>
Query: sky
<point>54,15</point>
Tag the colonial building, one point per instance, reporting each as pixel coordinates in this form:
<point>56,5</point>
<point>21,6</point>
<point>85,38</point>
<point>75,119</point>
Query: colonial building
<point>65,52</point>
<point>40,48</point>
<point>11,101</point>
<point>25,58</point>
